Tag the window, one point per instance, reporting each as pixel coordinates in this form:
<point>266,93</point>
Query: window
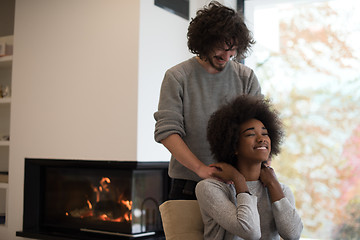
<point>307,59</point>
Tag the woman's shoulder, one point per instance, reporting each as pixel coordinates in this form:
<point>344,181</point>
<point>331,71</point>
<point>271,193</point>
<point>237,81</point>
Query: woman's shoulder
<point>211,182</point>
<point>211,190</point>
<point>285,187</point>
<point>287,191</point>
<point>211,185</point>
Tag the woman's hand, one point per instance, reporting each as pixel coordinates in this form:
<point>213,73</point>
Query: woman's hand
<point>269,179</point>
<point>267,175</point>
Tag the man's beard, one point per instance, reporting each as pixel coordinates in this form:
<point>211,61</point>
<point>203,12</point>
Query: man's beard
<point>217,67</point>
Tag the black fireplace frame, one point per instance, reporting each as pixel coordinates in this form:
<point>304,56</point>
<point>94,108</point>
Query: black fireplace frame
<point>34,184</point>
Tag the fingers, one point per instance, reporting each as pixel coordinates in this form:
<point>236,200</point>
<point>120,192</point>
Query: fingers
<point>263,165</point>
<point>221,165</point>
<point>216,167</point>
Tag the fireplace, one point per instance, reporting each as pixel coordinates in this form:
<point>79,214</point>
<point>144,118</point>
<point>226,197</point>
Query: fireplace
<point>81,199</point>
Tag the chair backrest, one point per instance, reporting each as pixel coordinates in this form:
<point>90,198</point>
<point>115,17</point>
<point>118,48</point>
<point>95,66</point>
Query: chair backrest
<point>182,220</point>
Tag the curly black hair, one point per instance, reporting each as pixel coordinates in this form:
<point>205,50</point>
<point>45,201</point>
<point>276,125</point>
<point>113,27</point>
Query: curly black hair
<point>215,25</point>
<point>223,129</point>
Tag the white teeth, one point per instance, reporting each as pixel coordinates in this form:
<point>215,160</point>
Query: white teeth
<point>261,148</point>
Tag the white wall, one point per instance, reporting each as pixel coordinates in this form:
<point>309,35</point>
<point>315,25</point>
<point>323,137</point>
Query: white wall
<point>75,86</point>
<point>163,44</point>
<point>86,82</point>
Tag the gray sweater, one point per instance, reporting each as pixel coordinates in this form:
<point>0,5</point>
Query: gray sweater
<point>188,96</point>
<point>227,216</point>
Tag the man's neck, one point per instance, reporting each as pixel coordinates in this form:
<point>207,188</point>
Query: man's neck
<point>207,66</point>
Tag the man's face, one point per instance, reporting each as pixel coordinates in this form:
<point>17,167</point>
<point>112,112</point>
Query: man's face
<point>221,55</point>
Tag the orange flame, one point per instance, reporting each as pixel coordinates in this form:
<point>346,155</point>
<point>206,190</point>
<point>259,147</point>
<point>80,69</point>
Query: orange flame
<point>127,203</point>
<point>104,182</point>
<point>128,216</point>
<point>89,204</point>
<point>88,212</point>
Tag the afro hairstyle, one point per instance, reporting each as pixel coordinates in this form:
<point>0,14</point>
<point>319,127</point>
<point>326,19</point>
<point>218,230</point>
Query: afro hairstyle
<point>223,131</point>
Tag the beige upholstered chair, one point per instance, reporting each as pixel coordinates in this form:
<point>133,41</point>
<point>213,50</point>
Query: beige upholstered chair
<point>182,220</point>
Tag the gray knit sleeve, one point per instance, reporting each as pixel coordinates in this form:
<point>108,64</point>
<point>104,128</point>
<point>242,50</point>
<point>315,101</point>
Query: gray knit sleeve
<point>221,215</point>
<point>254,87</point>
<point>249,79</point>
<point>288,221</point>
<point>169,117</point>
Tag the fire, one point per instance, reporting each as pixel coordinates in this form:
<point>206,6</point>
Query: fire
<point>89,204</point>
<point>102,205</point>
<point>128,204</point>
<point>104,182</point>
<point>128,217</point>
<point>104,217</point>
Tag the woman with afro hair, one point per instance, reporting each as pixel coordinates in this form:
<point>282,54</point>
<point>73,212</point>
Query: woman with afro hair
<point>248,202</point>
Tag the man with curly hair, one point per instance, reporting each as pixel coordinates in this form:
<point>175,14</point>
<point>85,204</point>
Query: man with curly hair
<point>249,202</point>
<point>192,90</point>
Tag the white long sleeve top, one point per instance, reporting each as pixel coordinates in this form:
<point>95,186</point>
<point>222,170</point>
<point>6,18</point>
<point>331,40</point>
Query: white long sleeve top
<point>227,216</point>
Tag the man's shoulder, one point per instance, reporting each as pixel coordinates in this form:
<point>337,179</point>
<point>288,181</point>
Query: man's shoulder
<point>240,68</point>
<point>182,68</point>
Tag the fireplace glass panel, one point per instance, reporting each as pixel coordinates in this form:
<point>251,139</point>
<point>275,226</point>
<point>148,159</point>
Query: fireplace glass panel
<point>103,199</point>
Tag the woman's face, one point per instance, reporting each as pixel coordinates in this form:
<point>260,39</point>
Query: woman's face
<point>254,142</point>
